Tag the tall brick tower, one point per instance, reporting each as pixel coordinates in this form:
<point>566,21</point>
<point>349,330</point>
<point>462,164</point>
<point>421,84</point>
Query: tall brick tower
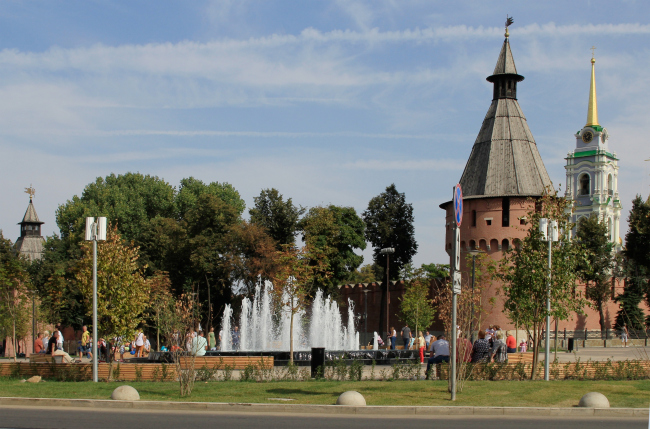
<point>503,171</point>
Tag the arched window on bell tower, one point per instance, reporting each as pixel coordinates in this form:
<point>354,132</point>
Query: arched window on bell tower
<point>584,184</point>
<point>610,185</point>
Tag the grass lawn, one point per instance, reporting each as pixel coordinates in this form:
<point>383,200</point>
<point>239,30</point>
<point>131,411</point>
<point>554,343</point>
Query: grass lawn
<point>632,394</point>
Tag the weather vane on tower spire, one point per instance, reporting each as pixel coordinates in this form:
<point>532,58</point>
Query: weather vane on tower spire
<point>509,22</point>
<point>31,191</point>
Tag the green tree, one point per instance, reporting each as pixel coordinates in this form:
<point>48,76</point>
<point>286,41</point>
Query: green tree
<point>252,256</point>
<point>129,201</point>
<point>122,290</point>
<point>389,223</point>
<point>191,189</point>
<point>292,282</point>
<point>368,273</point>
<point>279,218</point>
<point>14,293</point>
<point>53,277</point>
<point>524,273</point>
<point>436,271</point>
<point>336,232</point>
<point>596,264</point>
<point>416,307</point>
<point>636,266</point>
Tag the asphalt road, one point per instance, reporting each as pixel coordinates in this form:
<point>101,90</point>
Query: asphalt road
<point>33,418</point>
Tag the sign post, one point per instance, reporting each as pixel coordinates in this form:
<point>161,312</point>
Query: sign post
<point>456,286</point>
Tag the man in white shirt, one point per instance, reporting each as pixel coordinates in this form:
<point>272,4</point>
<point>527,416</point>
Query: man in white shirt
<point>199,345</point>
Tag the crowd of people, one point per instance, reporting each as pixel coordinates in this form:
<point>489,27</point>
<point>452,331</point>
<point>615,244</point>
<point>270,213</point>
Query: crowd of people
<point>492,345</point>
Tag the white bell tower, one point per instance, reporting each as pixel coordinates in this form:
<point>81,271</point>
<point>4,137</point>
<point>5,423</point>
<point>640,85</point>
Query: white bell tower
<point>592,171</point>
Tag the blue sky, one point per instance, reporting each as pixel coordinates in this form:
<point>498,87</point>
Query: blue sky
<point>329,101</point>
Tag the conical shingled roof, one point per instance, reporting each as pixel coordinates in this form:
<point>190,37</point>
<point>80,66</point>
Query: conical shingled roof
<point>505,63</point>
<point>30,215</point>
<point>505,160</point>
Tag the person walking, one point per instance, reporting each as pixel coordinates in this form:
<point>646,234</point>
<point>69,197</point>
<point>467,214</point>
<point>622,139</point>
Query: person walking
<point>624,334</point>
<point>139,343</point>
<point>427,339</point>
<point>421,343</point>
<point>393,338</point>
<point>406,336</point>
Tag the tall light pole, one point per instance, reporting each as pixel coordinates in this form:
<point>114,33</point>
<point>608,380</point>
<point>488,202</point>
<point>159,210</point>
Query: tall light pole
<point>365,313</point>
<point>95,231</point>
<point>387,251</point>
<point>474,253</point>
<point>34,321</point>
<point>549,231</point>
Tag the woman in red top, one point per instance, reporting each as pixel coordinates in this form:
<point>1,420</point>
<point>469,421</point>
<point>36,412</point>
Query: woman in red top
<point>511,343</point>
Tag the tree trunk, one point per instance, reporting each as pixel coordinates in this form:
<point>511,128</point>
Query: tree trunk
<point>535,351</point>
<point>14,336</point>
<point>601,315</point>
<point>158,329</point>
<point>209,324</point>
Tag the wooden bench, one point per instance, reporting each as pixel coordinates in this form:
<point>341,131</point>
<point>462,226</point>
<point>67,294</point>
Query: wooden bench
<point>233,362</point>
<point>139,372</point>
<point>43,358</point>
<point>520,357</point>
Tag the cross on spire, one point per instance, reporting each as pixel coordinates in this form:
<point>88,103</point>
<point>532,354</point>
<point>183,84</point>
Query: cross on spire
<point>593,48</point>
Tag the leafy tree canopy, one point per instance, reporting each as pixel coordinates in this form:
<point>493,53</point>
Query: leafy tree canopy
<point>636,266</point>
<point>122,290</point>
<point>524,273</point>
<point>336,232</point>
<point>279,218</point>
<point>416,306</point>
<point>594,268</point>
<point>14,292</point>
<point>389,223</point>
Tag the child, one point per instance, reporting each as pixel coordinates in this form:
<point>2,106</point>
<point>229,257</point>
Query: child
<point>523,346</point>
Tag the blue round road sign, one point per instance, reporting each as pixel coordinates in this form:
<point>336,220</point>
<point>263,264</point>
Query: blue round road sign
<point>458,204</point>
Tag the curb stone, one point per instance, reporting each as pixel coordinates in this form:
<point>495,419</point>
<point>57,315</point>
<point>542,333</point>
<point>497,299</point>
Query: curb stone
<point>375,410</point>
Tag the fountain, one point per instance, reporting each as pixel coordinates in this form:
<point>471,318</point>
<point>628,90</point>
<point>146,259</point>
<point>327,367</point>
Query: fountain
<point>261,330</point>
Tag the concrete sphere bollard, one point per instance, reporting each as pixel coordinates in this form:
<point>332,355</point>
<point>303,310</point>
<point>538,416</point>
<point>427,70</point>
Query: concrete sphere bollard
<point>594,400</point>
<point>351,397</point>
<point>125,393</point>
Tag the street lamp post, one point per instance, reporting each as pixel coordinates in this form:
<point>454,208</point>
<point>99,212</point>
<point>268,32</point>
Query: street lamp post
<point>34,321</point>
<point>474,253</point>
<point>387,251</point>
<point>549,231</point>
<point>365,314</point>
<point>95,231</point>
